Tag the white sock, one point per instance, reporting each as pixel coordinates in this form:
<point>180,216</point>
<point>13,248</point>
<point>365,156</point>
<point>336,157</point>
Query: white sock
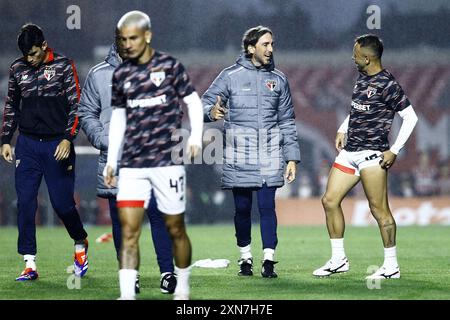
<point>182,280</point>
<point>245,252</point>
<point>390,258</point>
<point>79,247</point>
<point>127,280</point>
<point>268,254</point>
<point>337,249</point>
<point>30,261</point>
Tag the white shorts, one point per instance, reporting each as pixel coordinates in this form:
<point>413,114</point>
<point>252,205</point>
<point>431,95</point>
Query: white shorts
<point>169,185</point>
<point>354,162</point>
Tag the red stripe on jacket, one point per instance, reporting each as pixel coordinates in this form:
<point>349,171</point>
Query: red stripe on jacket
<point>77,85</point>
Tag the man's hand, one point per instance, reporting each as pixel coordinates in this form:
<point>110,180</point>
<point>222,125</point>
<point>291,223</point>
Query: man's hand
<point>339,141</point>
<point>291,170</point>
<point>193,150</point>
<point>218,111</point>
<point>109,178</point>
<point>62,150</point>
<point>7,153</point>
<point>388,159</point>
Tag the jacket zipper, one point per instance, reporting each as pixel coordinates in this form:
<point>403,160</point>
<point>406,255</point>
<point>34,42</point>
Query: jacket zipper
<point>258,80</point>
<point>37,94</point>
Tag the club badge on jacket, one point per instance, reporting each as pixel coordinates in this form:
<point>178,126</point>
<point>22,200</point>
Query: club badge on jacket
<point>49,73</point>
<point>271,84</point>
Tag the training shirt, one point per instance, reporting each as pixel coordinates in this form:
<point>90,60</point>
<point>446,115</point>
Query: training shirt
<point>150,93</point>
<point>42,100</point>
<point>375,101</point>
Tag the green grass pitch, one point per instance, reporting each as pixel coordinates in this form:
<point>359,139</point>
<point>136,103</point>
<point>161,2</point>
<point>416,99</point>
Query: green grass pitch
<point>423,253</point>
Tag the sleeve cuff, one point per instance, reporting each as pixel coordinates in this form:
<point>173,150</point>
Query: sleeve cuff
<point>6,140</point>
<point>394,150</point>
<point>69,137</point>
<point>207,117</point>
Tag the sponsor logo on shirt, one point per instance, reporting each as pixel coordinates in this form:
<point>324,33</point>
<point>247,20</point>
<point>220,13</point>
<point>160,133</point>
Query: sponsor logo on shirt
<point>362,107</point>
<point>145,103</point>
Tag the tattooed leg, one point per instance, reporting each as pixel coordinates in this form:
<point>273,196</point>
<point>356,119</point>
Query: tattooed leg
<point>374,180</point>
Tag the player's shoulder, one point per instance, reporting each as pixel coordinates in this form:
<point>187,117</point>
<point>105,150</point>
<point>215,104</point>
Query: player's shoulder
<point>100,68</point>
<point>168,61</point>
<point>387,74</point>
<point>100,72</point>
<point>165,57</point>
<point>385,77</point>
<point>19,66</point>
<point>232,70</point>
<point>18,63</point>
<point>388,80</point>
<point>122,68</point>
<point>60,58</point>
<point>279,74</point>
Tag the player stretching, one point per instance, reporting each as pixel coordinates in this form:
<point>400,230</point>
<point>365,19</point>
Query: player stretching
<point>366,155</point>
<point>145,96</point>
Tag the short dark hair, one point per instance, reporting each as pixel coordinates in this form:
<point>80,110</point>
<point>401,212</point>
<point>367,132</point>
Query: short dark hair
<point>251,37</point>
<point>30,35</point>
<point>373,42</point>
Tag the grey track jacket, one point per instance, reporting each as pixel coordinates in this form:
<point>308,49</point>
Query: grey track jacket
<point>94,112</point>
<point>260,134</point>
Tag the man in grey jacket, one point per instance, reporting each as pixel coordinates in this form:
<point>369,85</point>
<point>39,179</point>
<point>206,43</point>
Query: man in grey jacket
<point>95,114</point>
<point>260,133</point>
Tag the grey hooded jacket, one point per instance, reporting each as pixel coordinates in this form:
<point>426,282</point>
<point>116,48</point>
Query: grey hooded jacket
<point>94,112</point>
<point>259,130</point>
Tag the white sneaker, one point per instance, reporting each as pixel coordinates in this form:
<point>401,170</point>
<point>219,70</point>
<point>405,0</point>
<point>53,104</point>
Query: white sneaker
<point>126,298</point>
<point>383,273</point>
<point>331,267</point>
<point>180,296</point>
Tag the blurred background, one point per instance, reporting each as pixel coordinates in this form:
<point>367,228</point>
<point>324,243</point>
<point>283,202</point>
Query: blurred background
<point>313,47</point>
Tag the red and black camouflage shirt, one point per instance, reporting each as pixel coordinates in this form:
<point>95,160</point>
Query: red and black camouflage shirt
<point>150,93</point>
<point>375,101</point>
<point>42,100</point>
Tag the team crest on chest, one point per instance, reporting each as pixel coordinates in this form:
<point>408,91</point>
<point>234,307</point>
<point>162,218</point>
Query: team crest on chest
<point>371,91</point>
<point>49,73</point>
<point>271,84</point>
<point>157,77</point>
